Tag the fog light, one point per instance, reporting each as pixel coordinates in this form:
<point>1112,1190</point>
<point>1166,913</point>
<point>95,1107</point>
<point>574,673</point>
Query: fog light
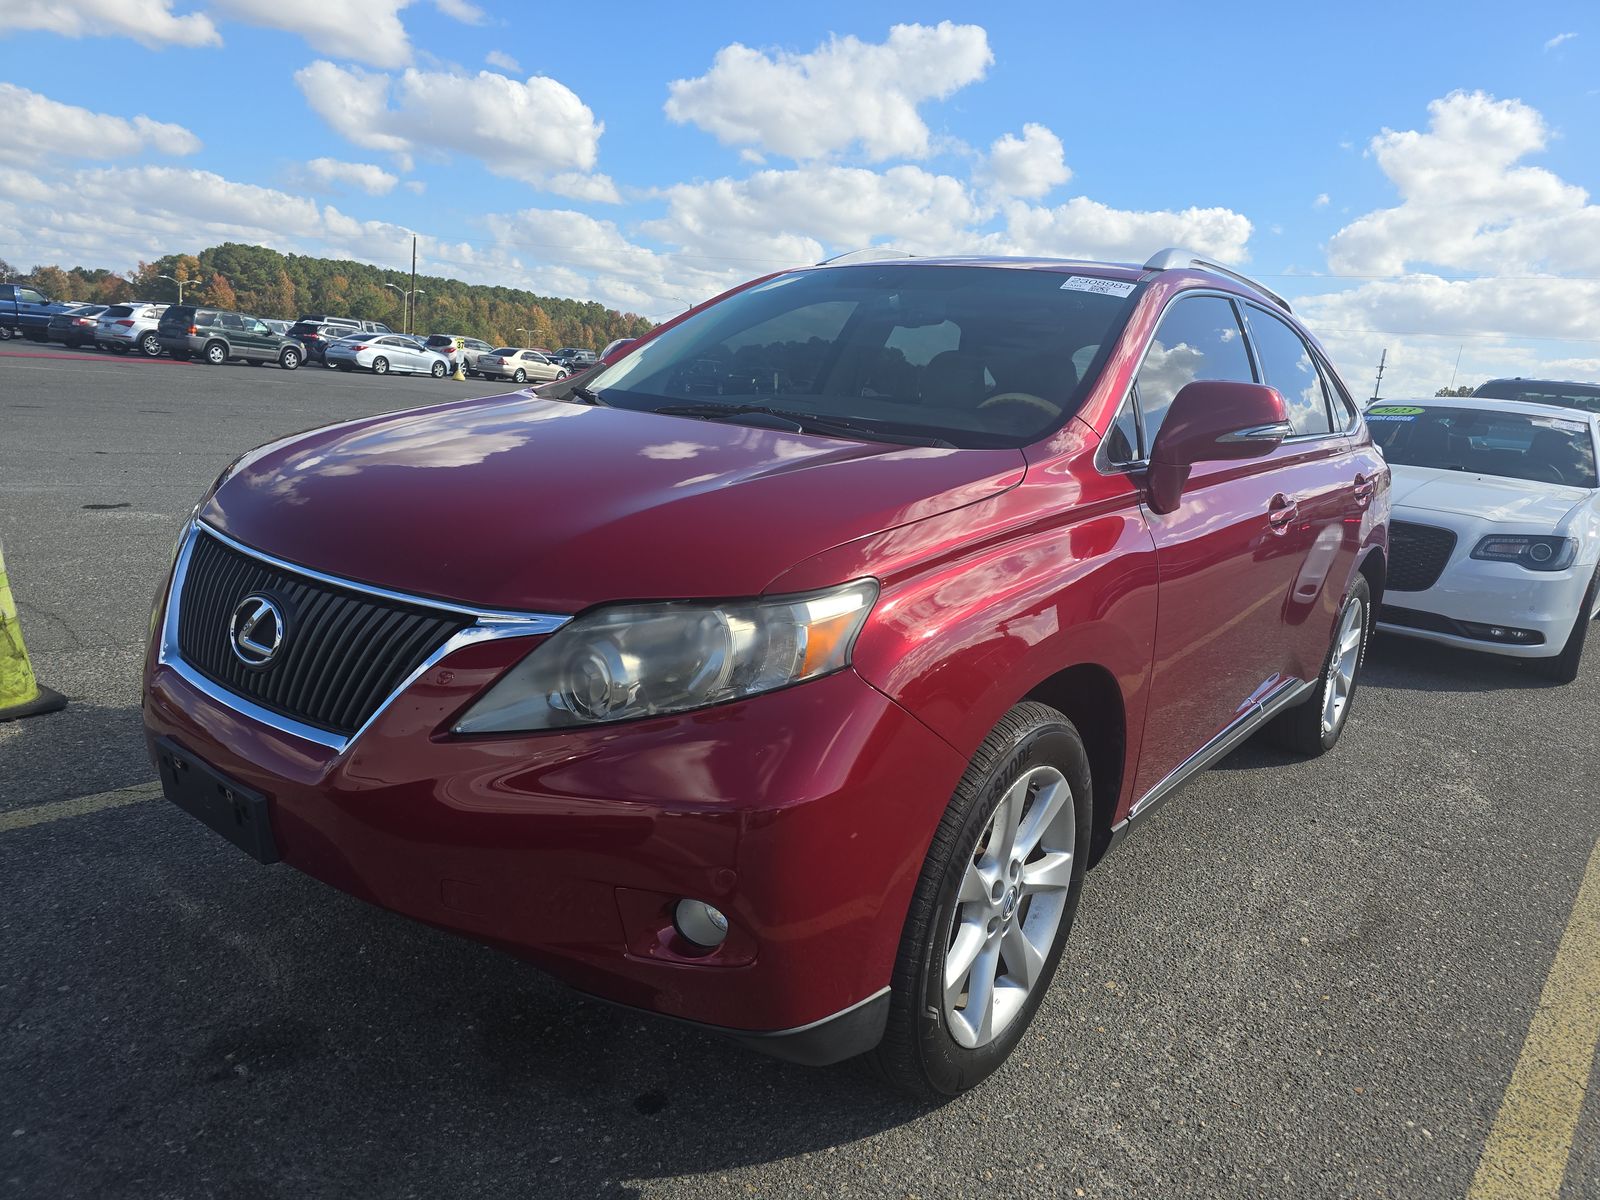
<point>700,923</point>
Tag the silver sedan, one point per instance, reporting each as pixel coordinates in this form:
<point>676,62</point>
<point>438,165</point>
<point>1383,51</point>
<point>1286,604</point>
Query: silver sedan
<point>382,353</point>
<point>519,365</point>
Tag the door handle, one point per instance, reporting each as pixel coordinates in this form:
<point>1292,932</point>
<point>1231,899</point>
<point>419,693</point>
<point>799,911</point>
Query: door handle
<point>1282,511</point>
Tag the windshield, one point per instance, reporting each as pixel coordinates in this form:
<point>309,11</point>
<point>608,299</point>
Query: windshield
<point>1539,449</point>
<point>964,356</point>
<point>1585,396</point>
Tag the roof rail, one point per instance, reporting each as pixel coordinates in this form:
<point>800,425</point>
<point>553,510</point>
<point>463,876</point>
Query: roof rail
<point>866,254</point>
<point>1175,256</point>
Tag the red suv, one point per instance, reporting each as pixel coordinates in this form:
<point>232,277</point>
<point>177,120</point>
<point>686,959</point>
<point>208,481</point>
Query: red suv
<point>786,674</point>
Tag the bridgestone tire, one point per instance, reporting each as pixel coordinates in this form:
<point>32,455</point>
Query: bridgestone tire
<point>919,1052</point>
<point>1301,728</point>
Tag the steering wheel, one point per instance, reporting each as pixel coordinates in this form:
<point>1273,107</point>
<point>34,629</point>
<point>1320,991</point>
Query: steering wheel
<point>1025,398</point>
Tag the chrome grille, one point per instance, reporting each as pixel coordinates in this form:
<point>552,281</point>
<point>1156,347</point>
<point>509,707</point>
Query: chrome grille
<point>344,651</point>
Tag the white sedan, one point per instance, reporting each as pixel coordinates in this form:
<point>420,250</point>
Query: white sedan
<point>382,353</point>
<point>1495,536</point>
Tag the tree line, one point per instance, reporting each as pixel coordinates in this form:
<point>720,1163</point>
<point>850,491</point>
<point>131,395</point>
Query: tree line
<point>265,283</point>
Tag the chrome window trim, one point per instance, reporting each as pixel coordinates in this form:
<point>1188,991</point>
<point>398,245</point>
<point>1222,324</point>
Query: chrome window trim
<point>488,624</point>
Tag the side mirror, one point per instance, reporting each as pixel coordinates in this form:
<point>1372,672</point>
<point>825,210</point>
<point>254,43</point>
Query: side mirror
<point>1211,421</point>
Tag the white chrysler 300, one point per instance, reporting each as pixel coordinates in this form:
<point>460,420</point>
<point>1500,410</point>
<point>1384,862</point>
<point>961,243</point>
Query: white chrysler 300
<point>1495,540</point>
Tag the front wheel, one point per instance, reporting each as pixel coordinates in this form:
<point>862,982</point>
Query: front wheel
<point>560,375</point>
<point>438,370</point>
<point>1564,667</point>
<point>289,360</point>
<point>1313,726</point>
<point>993,906</point>
<point>380,366</point>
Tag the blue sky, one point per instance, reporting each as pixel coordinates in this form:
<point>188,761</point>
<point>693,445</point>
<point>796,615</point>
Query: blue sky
<point>1416,177</point>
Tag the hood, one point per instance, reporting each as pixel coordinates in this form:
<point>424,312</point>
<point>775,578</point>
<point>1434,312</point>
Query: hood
<point>1487,497</point>
<point>516,502</point>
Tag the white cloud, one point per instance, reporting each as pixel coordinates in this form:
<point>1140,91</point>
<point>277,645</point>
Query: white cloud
<point>800,215</point>
<point>367,31</point>
<point>499,58</point>
<point>150,22</point>
<point>1028,166</point>
<point>373,180</point>
<point>843,94</point>
<point>533,130</point>
<point>1466,204</point>
<point>37,127</point>
<point>575,185</point>
<point>1558,40</point>
<point>1084,228</point>
<point>461,10</point>
<point>1321,201</point>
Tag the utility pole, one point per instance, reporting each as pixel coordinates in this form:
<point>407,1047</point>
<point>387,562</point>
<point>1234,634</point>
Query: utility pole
<point>1377,386</point>
<point>411,309</point>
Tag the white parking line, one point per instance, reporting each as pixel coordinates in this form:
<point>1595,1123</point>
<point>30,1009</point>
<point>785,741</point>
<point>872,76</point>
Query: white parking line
<point>39,814</point>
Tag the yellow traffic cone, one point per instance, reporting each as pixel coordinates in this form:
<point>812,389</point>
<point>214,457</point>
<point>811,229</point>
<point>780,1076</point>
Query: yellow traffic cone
<point>461,374</point>
<point>20,693</point>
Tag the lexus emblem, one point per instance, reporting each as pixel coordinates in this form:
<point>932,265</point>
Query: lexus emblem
<point>256,630</point>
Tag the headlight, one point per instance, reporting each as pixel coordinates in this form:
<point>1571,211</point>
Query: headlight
<point>621,663</point>
<point>1533,552</point>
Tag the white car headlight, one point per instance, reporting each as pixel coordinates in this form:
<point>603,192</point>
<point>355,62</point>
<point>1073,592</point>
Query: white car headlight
<point>630,661</point>
<point>1535,552</point>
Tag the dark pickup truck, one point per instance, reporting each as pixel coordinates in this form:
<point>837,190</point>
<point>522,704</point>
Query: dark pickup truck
<point>26,311</point>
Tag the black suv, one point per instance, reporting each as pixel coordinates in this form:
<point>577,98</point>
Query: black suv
<point>214,336</point>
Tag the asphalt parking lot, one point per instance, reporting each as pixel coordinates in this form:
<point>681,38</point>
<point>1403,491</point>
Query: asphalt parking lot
<point>1307,979</point>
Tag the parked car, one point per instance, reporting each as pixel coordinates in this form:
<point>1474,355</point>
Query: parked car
<point>75,326</point>
<point>452,344</point>
<point>132,326</point>
<point>575,359</point>
<point>281,327</point>
<point>1565,394</point>
<point>519,366</point>
<point>807,722</point>
<point>612,347</point>
<point>26,311</point>
<point>1496,532</point>
<point>216,336</point>
<point>383,353</point>
<point>350,324</point>
<point>315,338</point>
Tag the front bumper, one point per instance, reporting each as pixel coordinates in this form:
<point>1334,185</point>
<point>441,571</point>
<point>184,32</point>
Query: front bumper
<point>804,815</point>
<point>1491,595</point>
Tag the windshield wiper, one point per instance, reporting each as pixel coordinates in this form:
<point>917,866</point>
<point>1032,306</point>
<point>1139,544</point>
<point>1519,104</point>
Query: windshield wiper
<point>803,422</point>
<point>587,395</point>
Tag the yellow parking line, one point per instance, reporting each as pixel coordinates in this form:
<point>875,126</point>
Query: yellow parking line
<point>1526,1154</point>
<point>21,818</point>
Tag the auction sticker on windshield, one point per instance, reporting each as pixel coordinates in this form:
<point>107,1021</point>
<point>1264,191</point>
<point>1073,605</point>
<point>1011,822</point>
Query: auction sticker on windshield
<point>1101,287</point>
<point>1394,412</point>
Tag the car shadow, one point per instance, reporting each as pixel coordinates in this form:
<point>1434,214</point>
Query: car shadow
<point>1411,664</point>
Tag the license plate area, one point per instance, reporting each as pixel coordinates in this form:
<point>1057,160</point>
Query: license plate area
<point>234,811</point>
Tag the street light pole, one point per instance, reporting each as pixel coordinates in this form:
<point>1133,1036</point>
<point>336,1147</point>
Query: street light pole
<point>179,282</point>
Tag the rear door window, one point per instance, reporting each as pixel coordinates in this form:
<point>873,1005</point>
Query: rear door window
<point>1287,364</point>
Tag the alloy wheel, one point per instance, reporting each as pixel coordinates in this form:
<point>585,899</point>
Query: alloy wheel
<point>1009,907</point>
<point>1345,660</point>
